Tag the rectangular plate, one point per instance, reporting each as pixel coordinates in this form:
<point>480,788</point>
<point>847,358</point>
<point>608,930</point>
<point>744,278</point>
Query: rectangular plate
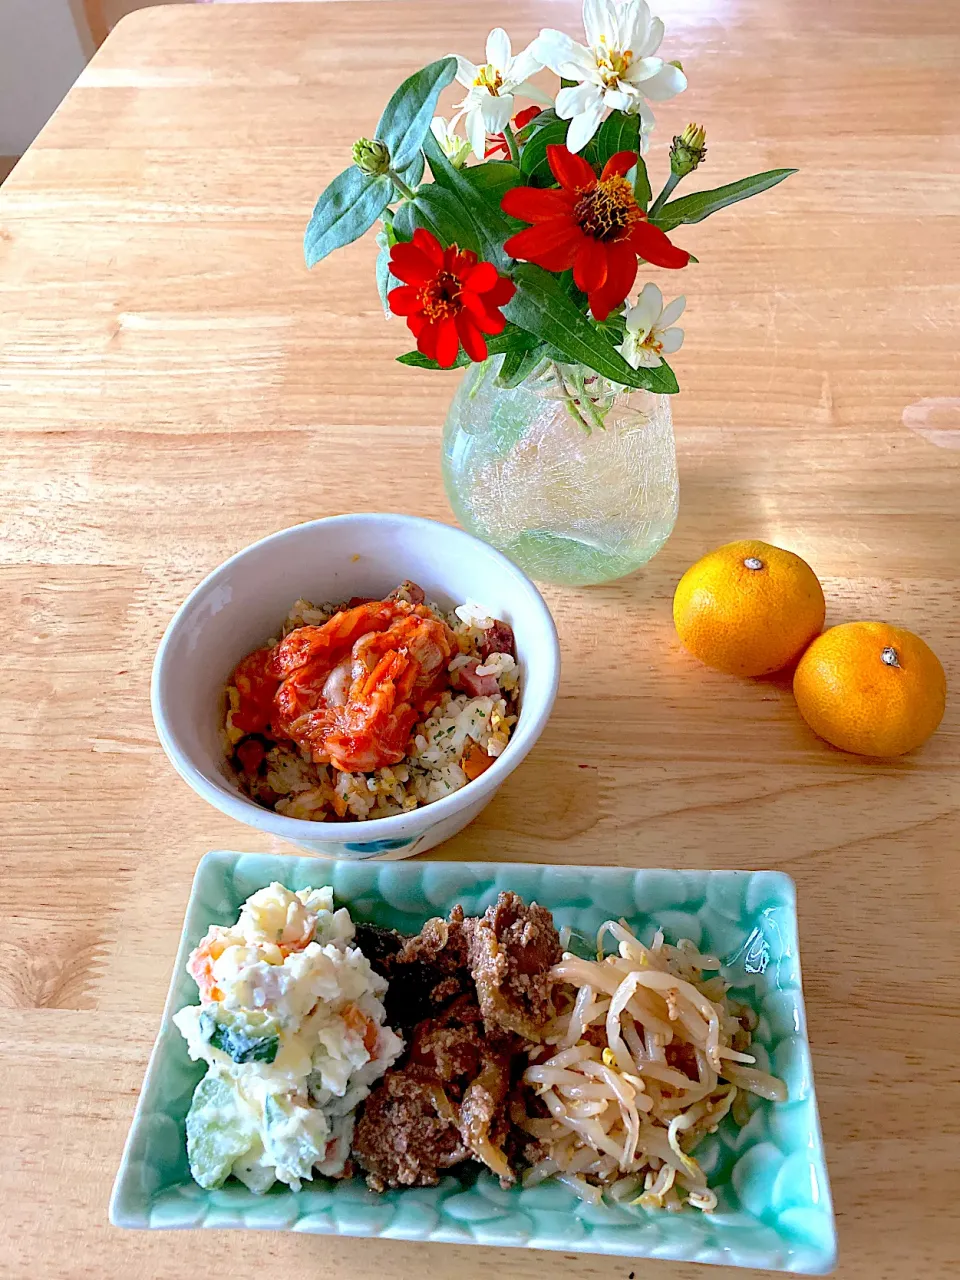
<point>774,1206</point>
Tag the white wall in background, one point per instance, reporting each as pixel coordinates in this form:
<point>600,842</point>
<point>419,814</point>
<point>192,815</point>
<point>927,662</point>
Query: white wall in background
<point>40,57</point>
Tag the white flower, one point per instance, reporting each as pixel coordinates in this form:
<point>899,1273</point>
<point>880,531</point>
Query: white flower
<point>615,69</point>
<point>649,336</point>
<point>488,106</point>
<point>455,148</point>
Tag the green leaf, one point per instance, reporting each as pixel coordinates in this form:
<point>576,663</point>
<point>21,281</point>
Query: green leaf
<point>664,380</point>
<point>618,132</point>
<point>544,120</point>
<point>533,157</point>
<point>415,360</point>
<point>569,286</point>
<point>492,179</point>
<point>541,306</point>
<point>350,206</point>
<point>406,118</point>
<point>521,135</point>
<point>547,116</point>
<point>385,278</point>
<point>489,223</point>
<point>414,171</point>
<point>699,205</point>
<point>441,213</point>
<point>512,339</point>
<point>614,328</point>
<point>386,239</point>
<point>641,184</point>
<point>518,365</point>
<point>389,239</point>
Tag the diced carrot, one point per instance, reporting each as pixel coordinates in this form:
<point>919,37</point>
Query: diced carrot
<point>200,967</point>
<point>339,804</point>
<point>362,1026</point>
<point>475,761</point>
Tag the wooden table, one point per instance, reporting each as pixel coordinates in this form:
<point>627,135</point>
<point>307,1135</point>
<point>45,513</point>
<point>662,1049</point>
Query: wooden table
<point>173,385</point>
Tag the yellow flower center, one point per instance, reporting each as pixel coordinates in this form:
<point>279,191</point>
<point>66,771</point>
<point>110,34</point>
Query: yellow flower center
<point>612,64</point>
<point>440,296</point>
<point>488,77</point>
<point>608,211</point>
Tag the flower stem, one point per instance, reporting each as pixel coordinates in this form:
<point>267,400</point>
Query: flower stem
<point>668,186</point>
<point>401,186</point>
<point>586,403</point>
<point>480,377</point>
<point>572,405</point>
<point>512,144</point>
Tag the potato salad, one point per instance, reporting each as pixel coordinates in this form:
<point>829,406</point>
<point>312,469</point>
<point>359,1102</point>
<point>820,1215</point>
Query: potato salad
<point>291,1025</point>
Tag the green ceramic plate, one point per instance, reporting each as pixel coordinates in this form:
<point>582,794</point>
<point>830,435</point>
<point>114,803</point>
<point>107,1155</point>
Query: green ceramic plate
<point>774,1206</point>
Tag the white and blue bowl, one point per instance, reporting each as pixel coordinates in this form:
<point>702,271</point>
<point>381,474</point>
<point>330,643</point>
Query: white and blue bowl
<point>244,601</point>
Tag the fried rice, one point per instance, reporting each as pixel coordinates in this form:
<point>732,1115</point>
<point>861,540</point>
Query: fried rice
<point>454,742</point>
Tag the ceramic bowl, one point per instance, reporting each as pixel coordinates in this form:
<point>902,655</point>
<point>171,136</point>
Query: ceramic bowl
<point>243,601</point>
<point>774,1209</point>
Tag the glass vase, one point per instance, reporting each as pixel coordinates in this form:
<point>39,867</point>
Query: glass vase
<point>573,477</point>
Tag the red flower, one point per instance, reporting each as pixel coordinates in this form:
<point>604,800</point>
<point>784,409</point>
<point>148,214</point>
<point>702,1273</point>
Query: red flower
<point>591,224</point>
<point>448,296</point>
<point>497,142</point>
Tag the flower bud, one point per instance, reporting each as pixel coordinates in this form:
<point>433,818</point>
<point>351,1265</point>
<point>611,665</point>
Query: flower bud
<point>372,157</point>
<point>688,150</point>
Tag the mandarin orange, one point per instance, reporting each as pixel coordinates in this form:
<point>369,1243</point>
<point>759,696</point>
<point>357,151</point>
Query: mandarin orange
<point>748,608</point>
<point>871,688</point>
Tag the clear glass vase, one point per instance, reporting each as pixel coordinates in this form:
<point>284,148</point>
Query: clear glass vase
<point>573,477</point>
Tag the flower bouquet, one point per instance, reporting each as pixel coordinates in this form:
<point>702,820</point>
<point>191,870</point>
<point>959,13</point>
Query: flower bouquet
<point>518,251</point>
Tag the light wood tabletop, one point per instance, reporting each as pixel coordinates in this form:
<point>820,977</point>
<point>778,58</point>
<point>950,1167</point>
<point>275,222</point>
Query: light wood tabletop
<point>174,384</point>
